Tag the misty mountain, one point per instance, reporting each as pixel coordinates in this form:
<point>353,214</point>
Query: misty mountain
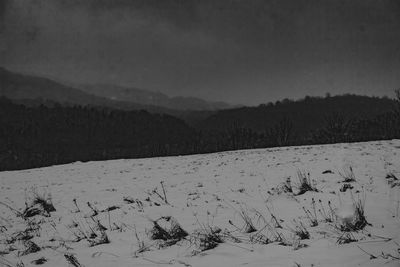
<point>33,91</point>
<point>18,87</point>
<point>307,114</point>
<point>145,97</point>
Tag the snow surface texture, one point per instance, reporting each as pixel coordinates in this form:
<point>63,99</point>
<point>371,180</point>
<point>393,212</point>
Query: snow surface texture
<point>217,191</point>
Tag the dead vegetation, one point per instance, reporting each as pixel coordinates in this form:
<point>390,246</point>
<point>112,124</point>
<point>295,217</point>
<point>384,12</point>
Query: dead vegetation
<point>72,260</point>
<point>346,238</point>
<point>305,183</point>
<point>345,187</point>
<point>168,230</point>
<point>162,196</point>
<point>37,204</point>
<point>29,247</point>
<point>248,226</point>
<point>92,231</point>
<point>312,215</point>
<point>300,230</point>
<point>328,214</point>
<point>358,220</point>
<point>206,238</point>
<point>40,261</point>
<point>98,239</point>
<point>391,256</point>
<point>392,180</point>
<point>347,174</point>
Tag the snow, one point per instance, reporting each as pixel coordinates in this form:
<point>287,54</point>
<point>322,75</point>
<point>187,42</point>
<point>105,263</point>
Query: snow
<point>211,190</point>
<point>346,213</point>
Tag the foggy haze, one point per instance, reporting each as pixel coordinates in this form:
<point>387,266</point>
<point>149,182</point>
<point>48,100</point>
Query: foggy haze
<point>246,52</point>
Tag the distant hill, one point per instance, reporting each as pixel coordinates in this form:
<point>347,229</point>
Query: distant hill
<point>33,91</point>
<point>306,114</point>
<point>17,87</point>
<point>145,97</point>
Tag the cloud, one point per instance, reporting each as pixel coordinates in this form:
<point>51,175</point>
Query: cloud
<point>178,45</point>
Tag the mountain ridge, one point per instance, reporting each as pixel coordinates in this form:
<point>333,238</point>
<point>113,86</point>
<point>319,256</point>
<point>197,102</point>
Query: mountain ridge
<point>33,90</point>
<point>148,97</point>
<point>18,86</point>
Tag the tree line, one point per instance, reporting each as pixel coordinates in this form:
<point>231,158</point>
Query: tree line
<point>42,136</point>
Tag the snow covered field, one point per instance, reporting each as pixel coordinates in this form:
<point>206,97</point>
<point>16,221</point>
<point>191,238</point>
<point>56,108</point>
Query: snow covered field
<point>209,196</point>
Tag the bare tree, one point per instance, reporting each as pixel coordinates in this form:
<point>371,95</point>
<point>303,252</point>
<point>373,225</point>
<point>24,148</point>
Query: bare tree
<point>397,113</point>
<point>397,92</point>
<point>282,132</point>
<point>337,128</point>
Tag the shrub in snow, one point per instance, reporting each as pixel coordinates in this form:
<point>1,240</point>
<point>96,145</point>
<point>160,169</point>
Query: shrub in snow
<point>72,260</point>
<point>37,204</point>
<point>392,180</point>
<point>300,230</point>
<point>99,239</point>
<point>168,230</point>
<point>30,247</point>
<point>305,183</point>
<point>351,216</point>
<point>346,238</point>
<point>284,187</point>
<point>206,238</point>
<point>345,187</point>
<point>348,175</point>
<point>248,226</point>
<point>312,215</point>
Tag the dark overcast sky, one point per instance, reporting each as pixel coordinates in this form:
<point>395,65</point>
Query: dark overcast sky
<point>239,51</point>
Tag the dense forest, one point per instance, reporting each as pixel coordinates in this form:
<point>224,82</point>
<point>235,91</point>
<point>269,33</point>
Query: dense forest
<point>307,113</point>
<point>41,135</point>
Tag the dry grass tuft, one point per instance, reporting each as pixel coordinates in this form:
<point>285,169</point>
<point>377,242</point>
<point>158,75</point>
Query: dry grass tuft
<point>99,240</point>
<point>346,238</point>
<point>345,187</point>
<point>312,215</point>
<point>359,220</point>
<point>206,238</point>
<point>392,180</point>
<point>100,237</point>
<point>39,261</point>
<point>300,230</point>
<point>37,204</point>
<point>30,247</point>
<point>305,183</point>
<point>249,226</point>
<point>168,230</point>
<point>327,214</point>
<point>71,259</point>
<point>348,175</point>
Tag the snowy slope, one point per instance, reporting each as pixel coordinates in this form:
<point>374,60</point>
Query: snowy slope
<point>209,191</point>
